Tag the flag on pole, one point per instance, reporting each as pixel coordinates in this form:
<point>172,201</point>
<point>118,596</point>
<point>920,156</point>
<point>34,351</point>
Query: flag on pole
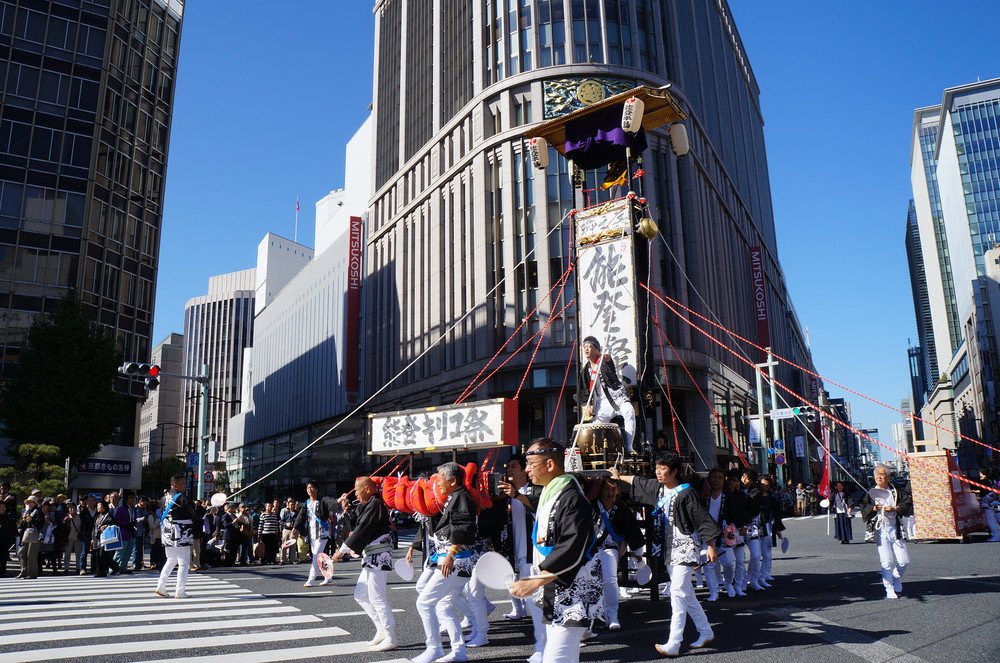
<point>297,206</point>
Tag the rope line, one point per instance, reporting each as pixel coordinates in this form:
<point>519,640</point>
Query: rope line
<point>902,454</point>
<point>562,389</point>
<point>412,363</point>
<point>820,377</point>
<point>711,409</point>
<point>541,336</point>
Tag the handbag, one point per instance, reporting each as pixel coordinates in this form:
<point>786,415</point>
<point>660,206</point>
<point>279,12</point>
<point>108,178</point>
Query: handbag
<point>258,550</point>
<point>30,535</point>
<point>111,538</point>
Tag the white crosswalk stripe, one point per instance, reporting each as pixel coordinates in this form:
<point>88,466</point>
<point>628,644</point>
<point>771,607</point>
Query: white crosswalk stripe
<point>56,619</point>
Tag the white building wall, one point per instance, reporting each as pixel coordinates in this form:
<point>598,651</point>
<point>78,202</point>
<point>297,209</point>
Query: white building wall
<point>333,211</point>
<point>279,259</point>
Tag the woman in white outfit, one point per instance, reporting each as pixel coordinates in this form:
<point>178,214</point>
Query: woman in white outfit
<point>884,507</point>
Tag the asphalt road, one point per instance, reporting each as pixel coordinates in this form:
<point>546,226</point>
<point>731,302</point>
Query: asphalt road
<point>826,605</point>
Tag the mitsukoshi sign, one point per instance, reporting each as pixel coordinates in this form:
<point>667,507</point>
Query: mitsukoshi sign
<point>758,280</point>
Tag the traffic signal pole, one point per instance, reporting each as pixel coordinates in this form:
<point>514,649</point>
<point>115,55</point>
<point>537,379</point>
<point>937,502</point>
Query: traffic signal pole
<point>202,430</point>
<point>769,365</point>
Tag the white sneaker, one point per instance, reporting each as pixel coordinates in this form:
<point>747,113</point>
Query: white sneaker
<point>182,595</point>
<point>326,581</point>
<point>614,625</point>
<point>379,637</point>
<point>756,587</point>
<point>388,642</point>
<point>161,591</point>
<point>699,585</point>
<point>730,590</point>
<point>465,623</point>
<point>478,641</point>
<point>308,583</point>
<point>890,594</point>
<point>454,656</point>
<point>740,592</point>
<point>514,615</point>
<point>703,639</point>
<point>712,597</point>
<point>535,658</point>
<point>670,651</point>
<point>428,656</point>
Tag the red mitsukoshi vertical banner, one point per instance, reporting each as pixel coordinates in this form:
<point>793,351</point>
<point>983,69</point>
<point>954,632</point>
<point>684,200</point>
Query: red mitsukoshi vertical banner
<point>759,289</point>
<point>352,336</point>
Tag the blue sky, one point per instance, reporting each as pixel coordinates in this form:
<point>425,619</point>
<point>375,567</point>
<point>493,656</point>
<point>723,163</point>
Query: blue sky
<point>266,101</point>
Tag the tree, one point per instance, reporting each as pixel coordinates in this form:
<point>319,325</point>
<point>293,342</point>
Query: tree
<point>61,391</point>
<point>42,467</point>
<point>156,475</point>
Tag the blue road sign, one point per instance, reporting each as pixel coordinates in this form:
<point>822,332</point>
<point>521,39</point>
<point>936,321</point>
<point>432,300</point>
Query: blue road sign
<point>779,445</point>
<point>779,459</point>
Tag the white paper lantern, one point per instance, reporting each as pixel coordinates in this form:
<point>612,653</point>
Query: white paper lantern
<point>538,148</point>
<point>679,139</point>
<point>632,114</point>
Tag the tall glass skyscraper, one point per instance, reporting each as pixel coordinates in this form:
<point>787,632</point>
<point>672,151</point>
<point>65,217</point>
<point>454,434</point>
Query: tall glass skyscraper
<point>87,96</point>
<point>457,205</point>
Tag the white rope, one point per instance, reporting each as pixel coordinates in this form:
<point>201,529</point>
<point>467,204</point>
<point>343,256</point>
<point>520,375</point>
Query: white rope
<point>405,369</point>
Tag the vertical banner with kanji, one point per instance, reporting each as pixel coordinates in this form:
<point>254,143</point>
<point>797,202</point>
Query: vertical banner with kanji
<point>606,295</point>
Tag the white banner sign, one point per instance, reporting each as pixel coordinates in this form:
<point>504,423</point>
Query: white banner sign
<point>482,424</point>
<point>800,446</point>
<point>753,430</point>
<point>606,298</point>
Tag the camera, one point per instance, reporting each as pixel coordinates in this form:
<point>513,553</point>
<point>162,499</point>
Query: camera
<point>495,479</point>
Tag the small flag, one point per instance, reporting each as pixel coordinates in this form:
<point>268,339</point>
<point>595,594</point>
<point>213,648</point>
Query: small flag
<point>297,206</point>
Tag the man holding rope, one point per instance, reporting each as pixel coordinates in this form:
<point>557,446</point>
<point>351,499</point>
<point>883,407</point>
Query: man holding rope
<point>884,506</point>
<point>682,524</point>
<point>603,393</point>
<point>370,538</point>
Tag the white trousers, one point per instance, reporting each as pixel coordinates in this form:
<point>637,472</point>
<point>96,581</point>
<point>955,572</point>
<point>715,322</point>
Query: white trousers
<point>318,546</point>
<point>436,607</point>
<point>684,603</point>
<point>476,606</point>
<point>990,516</point>
<point>179,556</point>
<point>892,555</point>
<point>609,573</point>
<point>535,610</point>
<point>733,562</point>
<point>753,548</point>
<point>766,557</point>
<point>370,594</point>
<point>605,412</point>
<point>711,572</point>
<point>562,644</point>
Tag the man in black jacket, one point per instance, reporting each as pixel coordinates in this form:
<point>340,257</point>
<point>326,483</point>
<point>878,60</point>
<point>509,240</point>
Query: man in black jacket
<point>314,519</point>
<point>563,539</point>
<point>369,537</point>
<point>685,525</point>
<point>602,392</point>
<point>451,541</point>
<point>882,509</point>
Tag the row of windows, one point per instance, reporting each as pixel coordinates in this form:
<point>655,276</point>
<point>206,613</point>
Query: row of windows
<point>34,203</point>
<point>51,32</point>
<point>23,140</point>
<point>38,266</point>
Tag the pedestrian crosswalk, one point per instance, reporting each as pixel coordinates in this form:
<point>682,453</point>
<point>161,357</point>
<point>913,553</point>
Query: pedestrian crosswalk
<point>119,619</point>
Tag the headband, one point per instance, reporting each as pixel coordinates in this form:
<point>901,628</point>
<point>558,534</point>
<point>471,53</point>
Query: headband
<point>547,450</point>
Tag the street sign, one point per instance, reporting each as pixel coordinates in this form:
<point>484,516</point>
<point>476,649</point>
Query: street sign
<point>779,459</point>
<point>192,460</point>
<point>782,413</point>
<point>779,445</point>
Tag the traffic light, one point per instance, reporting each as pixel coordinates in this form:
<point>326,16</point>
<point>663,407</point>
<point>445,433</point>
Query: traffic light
<point>805,411</point>
<point>150,372</point>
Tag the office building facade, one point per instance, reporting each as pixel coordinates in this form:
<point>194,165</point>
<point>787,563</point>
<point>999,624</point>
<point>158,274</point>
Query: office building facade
<point>218,327</point>
<point>86,111</point>
<point>457,204</point>
<point>160,416</point>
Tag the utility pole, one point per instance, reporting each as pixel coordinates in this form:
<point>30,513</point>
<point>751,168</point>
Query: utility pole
<point>769,365</point>
<point>202,430</point>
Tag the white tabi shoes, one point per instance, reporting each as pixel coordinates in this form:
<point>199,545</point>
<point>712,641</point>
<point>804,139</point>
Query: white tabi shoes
<point>703,639</point>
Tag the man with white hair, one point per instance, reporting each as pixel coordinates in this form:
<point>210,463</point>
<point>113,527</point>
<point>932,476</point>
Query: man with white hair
<point>884,506</point>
